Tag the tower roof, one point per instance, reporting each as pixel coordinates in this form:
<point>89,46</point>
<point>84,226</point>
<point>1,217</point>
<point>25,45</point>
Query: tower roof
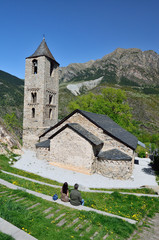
<point>43,50</point>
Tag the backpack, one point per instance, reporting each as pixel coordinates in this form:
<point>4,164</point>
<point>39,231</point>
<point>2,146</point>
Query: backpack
<point>55,197</point>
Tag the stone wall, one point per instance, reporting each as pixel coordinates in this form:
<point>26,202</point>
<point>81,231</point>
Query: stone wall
<point>31,137</point>
<point>114,169</point>
<point>72,151</point>
<point>43,153</point>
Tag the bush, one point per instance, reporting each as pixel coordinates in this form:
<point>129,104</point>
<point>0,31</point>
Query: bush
<point>142,154</point>
<point>156,163</point>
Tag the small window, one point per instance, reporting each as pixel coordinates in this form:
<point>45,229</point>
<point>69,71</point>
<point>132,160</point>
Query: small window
<point>50,113</point>
<point>35,66</point>
<point>50,99</point>
<point>34,97</point>
<point>33,112</point>
<point>51,67</point>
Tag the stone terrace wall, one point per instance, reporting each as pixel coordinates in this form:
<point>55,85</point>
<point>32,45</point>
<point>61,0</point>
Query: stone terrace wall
<point>43,153</point>
<point>114,169</point>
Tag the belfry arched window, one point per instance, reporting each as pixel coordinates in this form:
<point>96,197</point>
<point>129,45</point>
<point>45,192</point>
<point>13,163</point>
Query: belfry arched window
<point>50,113</point>
<point>34,97</point>
<point>50,99</point>
<point>35,66</point>
<point>33,112</point>
<point>51,67</point>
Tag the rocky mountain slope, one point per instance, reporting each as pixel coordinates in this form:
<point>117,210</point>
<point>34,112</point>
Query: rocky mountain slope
<point>8,140</point>
<point>123,66</point>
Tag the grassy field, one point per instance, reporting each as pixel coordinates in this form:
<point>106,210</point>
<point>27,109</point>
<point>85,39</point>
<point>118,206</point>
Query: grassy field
<point>123,205</point>
<point>34,221</point>
<point>129,206</point>
<point>5,237</point>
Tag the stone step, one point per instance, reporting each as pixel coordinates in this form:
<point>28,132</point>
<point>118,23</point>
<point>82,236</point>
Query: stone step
<point>61,223</point>
<point>78,227</point>
<point>50,215</point>
<point>12,195</point>
<point>3,192</point>
<point>57,210</point>
<point>105,236</point>
<point>81,235</point>
<point>17,197</point>
<point>20,199</point>
<point>33,206</point>
<point>48,210</point>
<point>94,235</point>
<point>73,222</point>
<point>88,229</point>
<point>60,216</point>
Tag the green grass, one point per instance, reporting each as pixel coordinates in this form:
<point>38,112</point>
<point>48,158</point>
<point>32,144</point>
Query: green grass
<point>134,190</point>
<point>35,223</point>
<point>128,206</point>
<point>5,237</point>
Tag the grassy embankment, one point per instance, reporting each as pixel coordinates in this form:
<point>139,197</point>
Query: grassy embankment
<point>124,205</point>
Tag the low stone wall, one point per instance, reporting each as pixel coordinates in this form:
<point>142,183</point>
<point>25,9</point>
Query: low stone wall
<point>113,168</point>
<point>43,153</point>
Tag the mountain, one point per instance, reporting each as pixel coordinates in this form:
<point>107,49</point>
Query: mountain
<point>11,89</point>
<point>132,70</point>
<point>11,98</point>
<point>123,66</point>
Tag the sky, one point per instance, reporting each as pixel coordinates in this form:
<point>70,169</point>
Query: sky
<point>75,31</point>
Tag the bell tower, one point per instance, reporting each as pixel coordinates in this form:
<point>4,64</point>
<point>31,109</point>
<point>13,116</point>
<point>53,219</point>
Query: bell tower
<point>41,92</point>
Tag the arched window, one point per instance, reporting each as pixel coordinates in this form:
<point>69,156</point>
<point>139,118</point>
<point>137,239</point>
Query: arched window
<point>33,112</point>
<point>35,66</point>
<point>34,97</point>
<point>50,113</point>
<point>51,67</point>
<point>50,99</point>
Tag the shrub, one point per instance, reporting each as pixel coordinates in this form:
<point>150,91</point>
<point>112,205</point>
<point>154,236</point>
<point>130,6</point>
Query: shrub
<point>156,162</point>
<point>142,154</point>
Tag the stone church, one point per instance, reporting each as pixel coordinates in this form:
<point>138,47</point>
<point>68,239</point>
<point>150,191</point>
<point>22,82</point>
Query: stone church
<point>82,141</point>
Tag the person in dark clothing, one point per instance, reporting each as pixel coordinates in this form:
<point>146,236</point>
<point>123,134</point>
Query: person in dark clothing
<point>75,196</point>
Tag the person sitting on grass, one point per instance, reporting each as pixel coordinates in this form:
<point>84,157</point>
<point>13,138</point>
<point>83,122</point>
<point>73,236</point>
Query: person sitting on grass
<point>65,193</point>
<point>75,196</point>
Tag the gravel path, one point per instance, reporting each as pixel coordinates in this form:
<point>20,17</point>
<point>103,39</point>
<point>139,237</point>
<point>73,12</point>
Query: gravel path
<point>142,174</point>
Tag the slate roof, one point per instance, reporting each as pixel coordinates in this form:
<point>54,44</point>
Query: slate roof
<point>82,132</point>
<point>107,125</point>
<point>44,144</point>
<point>114,154</point>
<point>43,50</point>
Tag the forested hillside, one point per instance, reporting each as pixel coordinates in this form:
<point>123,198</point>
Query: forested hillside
<point>11,100</point>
